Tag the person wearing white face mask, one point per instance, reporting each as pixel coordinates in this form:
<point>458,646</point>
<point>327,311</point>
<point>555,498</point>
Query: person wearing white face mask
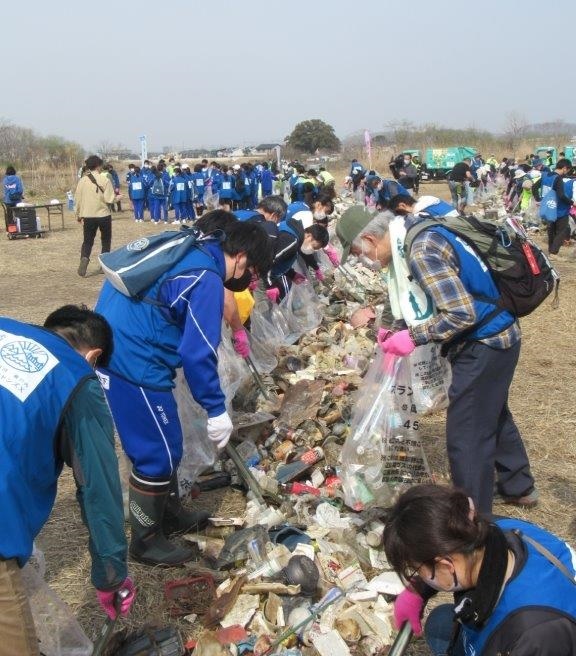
<point>179,327</point>
<point>315,238</point>
<point>513,582</point>
<point>454,306</point>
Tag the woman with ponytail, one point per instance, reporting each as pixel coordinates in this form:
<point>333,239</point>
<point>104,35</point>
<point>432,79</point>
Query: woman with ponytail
<point>513,582</point>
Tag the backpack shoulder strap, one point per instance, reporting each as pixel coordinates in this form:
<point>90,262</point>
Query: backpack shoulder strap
<point>93,179</point>
<point>417,228</point>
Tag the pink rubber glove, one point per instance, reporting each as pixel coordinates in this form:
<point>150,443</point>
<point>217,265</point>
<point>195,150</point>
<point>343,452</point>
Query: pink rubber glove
<point>273,294</point>
<point>408,607</point>
<point>399,343</point>
<point>241,343</point>
<point>298,278</point>
<point>319,275</point>
<point>382,335</point>
<point>106,599</point>
<point>332,254</point>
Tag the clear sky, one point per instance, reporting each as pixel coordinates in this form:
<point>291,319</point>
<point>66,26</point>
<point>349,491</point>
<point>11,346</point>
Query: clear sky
<point>204,73</point>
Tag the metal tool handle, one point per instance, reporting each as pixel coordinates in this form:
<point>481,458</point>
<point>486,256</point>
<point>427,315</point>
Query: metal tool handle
<point>109,624</point>
<point>257,378</point>
<point>402,640</point>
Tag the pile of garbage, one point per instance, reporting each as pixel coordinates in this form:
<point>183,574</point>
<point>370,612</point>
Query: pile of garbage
<point>325,441</point>
<point>326,438</point>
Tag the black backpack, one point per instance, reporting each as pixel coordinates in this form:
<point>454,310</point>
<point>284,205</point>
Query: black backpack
<point>520,270</point>
<point>239,185</point>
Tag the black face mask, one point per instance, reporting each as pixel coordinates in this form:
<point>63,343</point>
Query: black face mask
<point>239,284</point>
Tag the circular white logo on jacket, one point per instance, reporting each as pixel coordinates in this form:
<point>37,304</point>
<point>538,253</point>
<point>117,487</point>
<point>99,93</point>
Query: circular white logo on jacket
<point>27,356</point>
<point>138,244</point>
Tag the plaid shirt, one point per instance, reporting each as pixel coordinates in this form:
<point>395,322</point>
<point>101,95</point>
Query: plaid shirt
<point>434,266</point>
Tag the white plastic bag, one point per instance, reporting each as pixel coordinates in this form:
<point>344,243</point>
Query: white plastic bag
<point>58,631</point>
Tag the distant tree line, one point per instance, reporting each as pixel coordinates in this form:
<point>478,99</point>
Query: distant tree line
<point>24,148</point>
<point>517,136</point>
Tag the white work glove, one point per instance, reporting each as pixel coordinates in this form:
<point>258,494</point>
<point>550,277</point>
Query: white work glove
<point>220,429</point>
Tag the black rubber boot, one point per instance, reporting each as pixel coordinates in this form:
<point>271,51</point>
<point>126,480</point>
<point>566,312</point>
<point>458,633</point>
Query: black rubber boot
<point>176,518</point>
<point>83,266</point>
<point>149,544</point>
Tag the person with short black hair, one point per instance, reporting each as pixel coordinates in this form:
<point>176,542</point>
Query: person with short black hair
<point>93,196</point>
<point>53,412</point>
<point>558,229</point>
<point>513,582</point>
<point>459,179</point>
<point>178,324</point>
<point>12,187</point>
<point>13,190</point>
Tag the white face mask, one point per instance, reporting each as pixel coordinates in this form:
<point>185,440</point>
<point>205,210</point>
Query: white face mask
<point>455,587</point>
<point>307,250</point>
<point>369,263</point>
<point>319,215</point>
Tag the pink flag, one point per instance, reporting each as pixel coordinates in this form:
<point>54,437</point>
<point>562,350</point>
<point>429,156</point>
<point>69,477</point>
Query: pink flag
<point>367,141</point>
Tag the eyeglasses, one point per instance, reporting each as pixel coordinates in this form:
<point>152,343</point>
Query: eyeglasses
<point>412,572</point>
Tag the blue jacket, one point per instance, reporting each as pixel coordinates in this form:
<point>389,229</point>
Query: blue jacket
<point>538,586</point>
<point>13,189</point>
<point>190,184</point>
<point>478,282</point>
<point>227,186</point>
<point>389,189</point>
<point>267,178</point>
<point>548,179</point>
<point>356,168</point>
<point>166,178</point>
<point>115,179</point>
<point>288,243</point>
<point>136,188</point>
<point>216,178</point>
<point>442,208</point>
<point>148,178</point>
<point>52,408</point>
<point>179,192</point>
<point>151,342</point>
<point>199,182</point>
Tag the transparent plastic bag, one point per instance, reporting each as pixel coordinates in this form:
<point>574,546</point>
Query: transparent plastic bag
<point>430,376</point>
<point>232,369</point>
<point>199,453</point>
<point>269,326</point>
<point>263,358</point>
<point>383,454</point>
<point>302,308</point>
<point>58,631</point>
<point>211,199</point>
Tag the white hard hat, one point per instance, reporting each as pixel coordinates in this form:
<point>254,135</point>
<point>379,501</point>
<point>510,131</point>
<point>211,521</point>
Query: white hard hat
<point>520,173</point>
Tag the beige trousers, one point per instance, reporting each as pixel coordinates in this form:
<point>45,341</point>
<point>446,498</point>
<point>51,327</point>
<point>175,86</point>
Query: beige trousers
<point>17,633</point>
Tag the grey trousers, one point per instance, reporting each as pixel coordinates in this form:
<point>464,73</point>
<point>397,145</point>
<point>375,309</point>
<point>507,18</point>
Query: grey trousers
<point>481,435</point>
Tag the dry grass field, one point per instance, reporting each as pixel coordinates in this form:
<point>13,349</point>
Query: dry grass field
<point>37,276</point>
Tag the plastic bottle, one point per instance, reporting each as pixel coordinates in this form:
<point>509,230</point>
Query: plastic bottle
<point>248,451</point>
<point>70,198</point>
<point>360,493</point>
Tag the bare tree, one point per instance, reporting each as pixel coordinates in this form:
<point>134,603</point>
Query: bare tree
<point>516,128</point>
